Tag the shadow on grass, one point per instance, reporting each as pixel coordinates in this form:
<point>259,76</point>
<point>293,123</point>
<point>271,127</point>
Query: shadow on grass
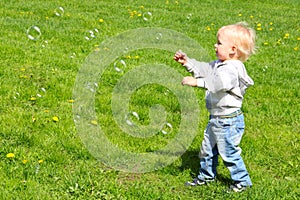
<point>191,161</point>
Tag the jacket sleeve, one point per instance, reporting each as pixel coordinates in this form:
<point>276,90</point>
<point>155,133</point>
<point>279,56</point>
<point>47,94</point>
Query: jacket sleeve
<point>199,69</point>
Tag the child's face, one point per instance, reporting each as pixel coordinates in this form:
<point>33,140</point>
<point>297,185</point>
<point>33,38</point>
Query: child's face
<point>225,49</point>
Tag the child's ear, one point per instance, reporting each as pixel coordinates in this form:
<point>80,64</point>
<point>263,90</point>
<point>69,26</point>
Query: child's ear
<point>233,50</point>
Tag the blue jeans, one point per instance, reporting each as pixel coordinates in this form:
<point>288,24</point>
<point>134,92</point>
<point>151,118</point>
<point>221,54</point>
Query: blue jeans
<point>222,137</point>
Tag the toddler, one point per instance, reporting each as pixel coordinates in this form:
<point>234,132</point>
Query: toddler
<point>225,81</point>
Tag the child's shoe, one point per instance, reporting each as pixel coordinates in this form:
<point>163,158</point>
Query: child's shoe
<point>197,181</point>
<point>237,187</point>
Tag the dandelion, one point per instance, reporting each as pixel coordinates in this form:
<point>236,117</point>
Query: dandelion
<point>259,28</point>
<point>278,41</point>
<point>142,7</point>
<point>41,161</point>
<point>55,119</point>
<point>266,43</point>
<point>208,28</point>
<point>298,38</point>
<point>286,36</point>
<point>271,23</point>
<point>24,76</point>
<point>71,100</point>
<point>46,111</point>
<point>240,14</point>
<point>296,48</point>
<point>24,161</point>
<point>136,57</point>
<point>10,155</point>
<point>32,99</point>
<point>23,69</point>
<point>251,16</point>
<point>101,20</point>
<point>271,29</point>
<point>94,122</point>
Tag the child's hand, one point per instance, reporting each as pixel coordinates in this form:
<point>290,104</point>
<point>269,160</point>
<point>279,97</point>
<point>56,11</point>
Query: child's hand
<point>189,80</point>
<point>180,57</point>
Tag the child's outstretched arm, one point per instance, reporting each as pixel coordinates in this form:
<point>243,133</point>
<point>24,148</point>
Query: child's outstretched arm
<point>199,69</point>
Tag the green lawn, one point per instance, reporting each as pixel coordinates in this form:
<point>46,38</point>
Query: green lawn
<point>46,44</point>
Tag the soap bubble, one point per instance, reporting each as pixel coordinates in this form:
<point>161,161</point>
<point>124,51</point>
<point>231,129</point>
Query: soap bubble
<point>45,44</point>
<point>147,16</point>
<point>33,33</point>
<point>59,11</point>
<point>91,34</point>
<point>17,95</point>
<point>120,65</point>
<point>158,36</point>
<point>91,87</point>
<point>73,55</point>
<point>131,118</point>
<point>167,128</point>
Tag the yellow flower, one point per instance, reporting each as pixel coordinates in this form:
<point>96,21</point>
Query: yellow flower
<point>240,14</point>
<point>128,57</point>
<point>271,29</point>
<point>46,111</point>
<point>24,76</point>
<point>10,155</point>
<point>271,23</point>
<point>101,20</point>
<point>278,41</point>
<point>266,43</point>
<point>41,161</point>
<point>251,16</point>
<point>32,98</point>
<point>55,119</point>
<point>208,28</point>
<point>142,7</point>
<point>71,100</point>
<point>94,122</point>
<point>23,69</point>
<point>258,28</point>
<point>286,36</point>
<point>259,24</point>
<point>298,38</point>
<point>296,48</point>
<point>136,57</point>
<point>24,161</point>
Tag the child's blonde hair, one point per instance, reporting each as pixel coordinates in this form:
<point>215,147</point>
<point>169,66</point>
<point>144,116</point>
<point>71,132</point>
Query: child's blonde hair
<point>243,37</point>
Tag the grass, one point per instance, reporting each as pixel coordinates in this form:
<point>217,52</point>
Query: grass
<point>42,155</point>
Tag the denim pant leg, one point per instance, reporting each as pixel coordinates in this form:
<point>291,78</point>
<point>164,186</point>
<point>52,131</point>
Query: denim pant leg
<point>208,156</point>
<point>228,134</point>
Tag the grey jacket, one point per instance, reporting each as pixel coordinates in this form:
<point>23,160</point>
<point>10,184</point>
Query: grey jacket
<point>226,83</point>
